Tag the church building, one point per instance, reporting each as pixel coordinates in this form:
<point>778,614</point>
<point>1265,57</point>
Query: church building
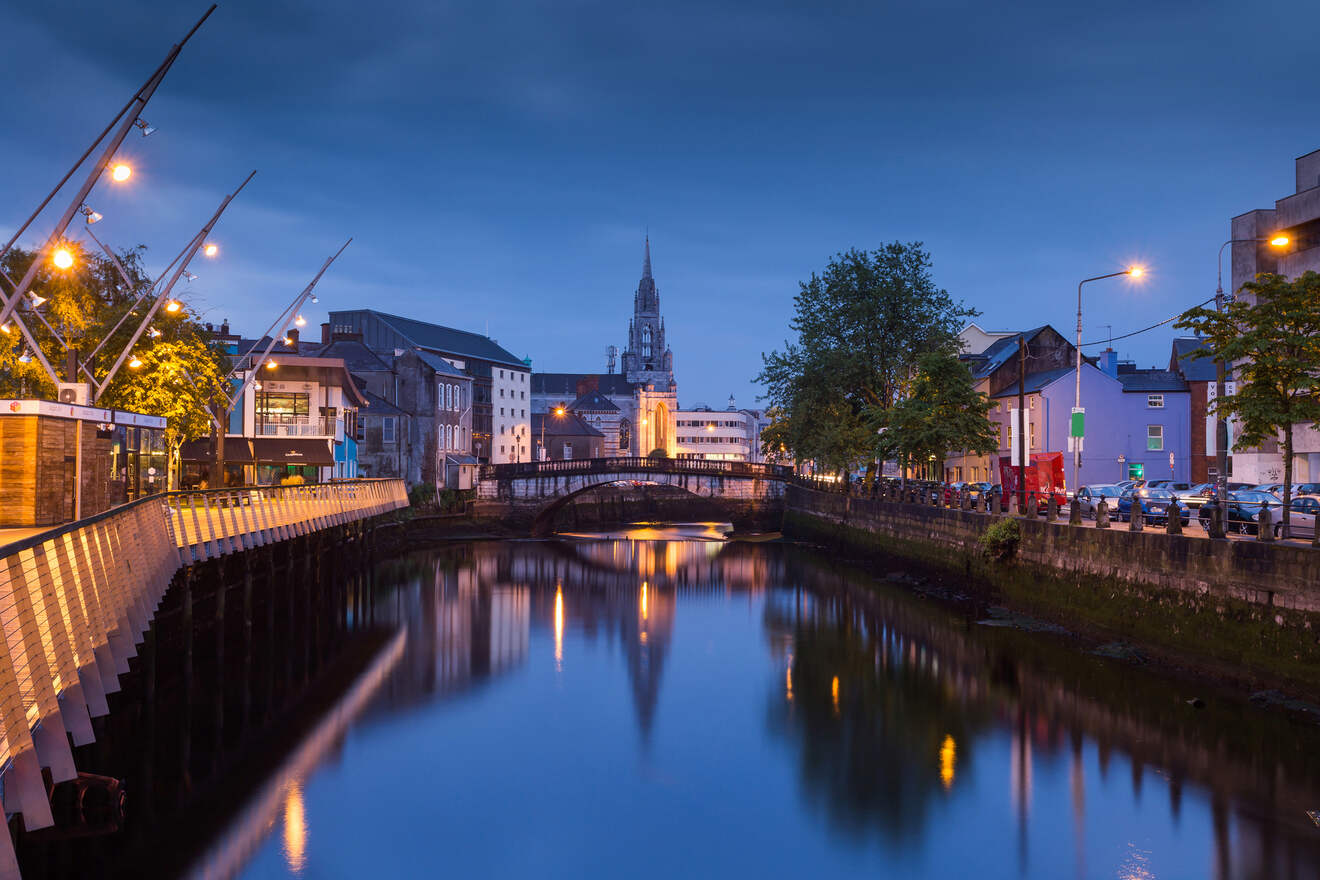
<point>635,407</point>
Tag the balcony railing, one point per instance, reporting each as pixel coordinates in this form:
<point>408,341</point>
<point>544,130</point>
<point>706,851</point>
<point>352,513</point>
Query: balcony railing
<point>300,428</point>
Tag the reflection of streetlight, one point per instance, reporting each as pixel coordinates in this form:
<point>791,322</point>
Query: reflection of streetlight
<point>1075,429</point>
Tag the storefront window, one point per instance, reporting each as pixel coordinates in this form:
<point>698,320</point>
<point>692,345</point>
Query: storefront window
<point>282,408</point>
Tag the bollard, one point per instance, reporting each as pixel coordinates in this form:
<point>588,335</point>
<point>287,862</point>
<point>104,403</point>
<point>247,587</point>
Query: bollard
<point>1031,506</point>
<point>983,503</point>
<point>1136,517</point>
<point>1173,523</point>
<point>1051,509</point>
<point>1264,525</point>
<point>1075,512</point>
<point>1214,524</point>
<point>1102,515</point>
<point>996,504</point>
<point>964,499</point>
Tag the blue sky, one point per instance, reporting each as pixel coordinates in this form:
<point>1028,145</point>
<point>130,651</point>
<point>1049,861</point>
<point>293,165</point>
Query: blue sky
<point>499,163</point>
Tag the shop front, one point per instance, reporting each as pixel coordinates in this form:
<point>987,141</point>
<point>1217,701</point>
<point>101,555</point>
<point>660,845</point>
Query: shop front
<point>279,459</point>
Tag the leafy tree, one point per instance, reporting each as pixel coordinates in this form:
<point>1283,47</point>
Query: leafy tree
<point>88,315</point>
<point>943,411</point>
<point>861,327</point>
<point>1272,342</point>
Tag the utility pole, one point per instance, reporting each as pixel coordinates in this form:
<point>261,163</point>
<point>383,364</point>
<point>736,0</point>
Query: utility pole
<point>1022,423</point>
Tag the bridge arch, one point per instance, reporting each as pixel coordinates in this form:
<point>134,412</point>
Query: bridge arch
<point>544,521</point>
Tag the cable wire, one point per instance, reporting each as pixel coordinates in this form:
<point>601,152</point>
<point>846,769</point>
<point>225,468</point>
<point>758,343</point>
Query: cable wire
<point>1147,329</point>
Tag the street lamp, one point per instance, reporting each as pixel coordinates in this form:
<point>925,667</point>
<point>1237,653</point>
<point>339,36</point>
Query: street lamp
<point>1221,369</point>
<point>559,413</point>
<point>1077,426</point>
<point>62,259</point>
<point>119,172</point>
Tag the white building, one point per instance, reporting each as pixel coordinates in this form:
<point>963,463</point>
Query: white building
<point>719,435</point>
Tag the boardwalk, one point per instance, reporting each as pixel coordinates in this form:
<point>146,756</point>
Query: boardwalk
<point>75,601</point>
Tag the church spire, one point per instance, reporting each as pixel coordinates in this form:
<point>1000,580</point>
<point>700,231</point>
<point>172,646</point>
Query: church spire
<point>646,263</point>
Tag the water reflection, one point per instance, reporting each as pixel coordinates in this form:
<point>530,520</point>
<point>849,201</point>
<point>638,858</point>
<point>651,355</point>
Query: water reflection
<point>783,716</point>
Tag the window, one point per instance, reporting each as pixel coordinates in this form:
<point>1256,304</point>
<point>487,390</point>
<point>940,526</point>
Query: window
<point>501,392</point>
<point>449,396</point>
<point>274,408</point>
<point>1155,401</point>
<point>1154,437</point>
<point>1032,432</point>
<point>1031,404</point>
<point>387,429</point>
<point>501,410</point>
<point>501,376</point>
<point>458,397</point>
<point>568,451</point>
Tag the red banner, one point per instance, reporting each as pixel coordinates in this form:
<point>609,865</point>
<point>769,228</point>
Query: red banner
<point>1044,475</point>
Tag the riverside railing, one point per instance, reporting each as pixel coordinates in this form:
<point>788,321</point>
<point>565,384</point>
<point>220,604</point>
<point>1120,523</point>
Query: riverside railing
<point>76,600</point>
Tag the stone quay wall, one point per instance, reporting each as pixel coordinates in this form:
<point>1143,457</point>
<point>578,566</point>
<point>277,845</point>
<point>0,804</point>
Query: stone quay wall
<point>1250,609</point>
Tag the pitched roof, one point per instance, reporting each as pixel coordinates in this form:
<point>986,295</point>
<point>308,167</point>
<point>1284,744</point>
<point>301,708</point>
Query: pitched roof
<point>998,352</point>
<point>566,384</point>
<point>593,401</point>
<point>1152,380</point>
<point>1200,369</point>
<point>1036,381</point>
<point>439,364</point>
<point>567,425</point>
<point>379,406</point>
<point>356,356</point>
<point>448,339</point>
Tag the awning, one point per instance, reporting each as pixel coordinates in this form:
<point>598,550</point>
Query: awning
<point>299,450</point>
<point>460,458</point>
<point>237,451</point>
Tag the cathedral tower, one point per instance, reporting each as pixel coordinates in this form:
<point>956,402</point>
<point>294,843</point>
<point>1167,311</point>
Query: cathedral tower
<point>647,359</point>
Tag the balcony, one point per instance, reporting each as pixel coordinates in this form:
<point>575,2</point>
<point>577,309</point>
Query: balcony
<point>301,428</point>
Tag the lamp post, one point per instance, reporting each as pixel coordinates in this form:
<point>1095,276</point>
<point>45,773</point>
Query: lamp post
<point>1221,369</point>
<point>559,412</point>
<point>1078,419</point>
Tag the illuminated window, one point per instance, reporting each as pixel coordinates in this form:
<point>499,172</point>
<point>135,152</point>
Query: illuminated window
<point>1155,401</point>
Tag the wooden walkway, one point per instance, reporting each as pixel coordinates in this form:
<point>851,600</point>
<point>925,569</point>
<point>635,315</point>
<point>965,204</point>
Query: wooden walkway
<point>75,601</point>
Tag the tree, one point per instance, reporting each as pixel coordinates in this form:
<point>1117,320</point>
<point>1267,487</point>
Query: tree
<point>861,327</point>
<point>1272,344</point>
<point>943,411</point>
<point>87,315</point>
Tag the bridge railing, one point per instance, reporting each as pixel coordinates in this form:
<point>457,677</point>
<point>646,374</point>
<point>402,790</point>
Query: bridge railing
<point>658,465</point>
<point>76,600</point>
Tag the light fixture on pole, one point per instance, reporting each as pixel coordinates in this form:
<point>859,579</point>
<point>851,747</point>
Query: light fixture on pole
<point>300,321</point>
<point>1277,240</point>
<point>134,363</point>
<point>25,357</point>
<point>92,216</point>
<point>37,299</point>
<point>120,172</point>
<point>173,306</point>
<point>1078,423</point>
<point>190,276</point>
<point>145,127</point>
<point>62,258</point>
<point>211,249</point>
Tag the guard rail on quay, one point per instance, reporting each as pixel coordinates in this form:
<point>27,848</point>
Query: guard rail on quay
<point>76,600</point>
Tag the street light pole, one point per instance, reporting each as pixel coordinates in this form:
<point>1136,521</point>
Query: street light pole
<point>1221,369</point>
<point>1074,430</point>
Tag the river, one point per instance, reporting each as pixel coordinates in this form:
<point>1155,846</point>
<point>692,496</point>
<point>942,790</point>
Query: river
<point>661,702</point>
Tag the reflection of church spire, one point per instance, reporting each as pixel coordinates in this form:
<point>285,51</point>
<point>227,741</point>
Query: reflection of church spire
<point>646,637</point>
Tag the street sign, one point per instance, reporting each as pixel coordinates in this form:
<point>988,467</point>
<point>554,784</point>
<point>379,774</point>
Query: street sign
<point>1170,459</point>
<point>1078,428</point>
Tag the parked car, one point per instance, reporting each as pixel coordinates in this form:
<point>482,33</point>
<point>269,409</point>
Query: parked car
<point>1275,489</point>
<point>1306,489</point>
<point>1153,503</point>
<point>951,491</point>
<point>1242,510</point>
<point>1130,484</point>
<point>1301,518</point>
<point>989,490</point>
<point>1208,489</point>
<point>1089,497</point>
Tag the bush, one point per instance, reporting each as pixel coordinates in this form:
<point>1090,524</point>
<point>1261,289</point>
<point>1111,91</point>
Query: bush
<point>658,454</point>
<point>421,495</point>
<point>1001,540</point>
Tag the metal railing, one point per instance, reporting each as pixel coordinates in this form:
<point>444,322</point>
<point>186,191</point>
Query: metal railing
<point>657,465</point>
<point>76,600</point>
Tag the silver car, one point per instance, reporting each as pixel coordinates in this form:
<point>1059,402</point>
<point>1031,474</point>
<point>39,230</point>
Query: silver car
<point>1301,517</point>
<point>1089,497</point>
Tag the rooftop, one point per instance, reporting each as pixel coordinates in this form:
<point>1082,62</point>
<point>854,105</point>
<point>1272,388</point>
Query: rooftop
<point>437,337</point>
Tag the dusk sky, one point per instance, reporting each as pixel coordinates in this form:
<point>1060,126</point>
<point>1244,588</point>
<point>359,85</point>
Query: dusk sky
<point>498,164</point>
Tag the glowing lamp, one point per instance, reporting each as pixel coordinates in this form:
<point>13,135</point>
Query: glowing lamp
<point>119,172</point>
<point>211,249</point>
<point>62,259</point>
<point>300,321</point>
<point>270,365</point>
<point>173,306</point>
<point>1280,240</point>
<point>1137,271</point>
<point>134,363</point>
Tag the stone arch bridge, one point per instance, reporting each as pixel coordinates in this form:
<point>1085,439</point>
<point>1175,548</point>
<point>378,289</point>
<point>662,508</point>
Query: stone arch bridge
<point>530,494</point>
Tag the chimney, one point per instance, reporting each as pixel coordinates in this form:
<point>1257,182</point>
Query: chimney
<point>325,332</point>
<point>1109,362</point>
<point>293,337</point>
<point>224,328</point>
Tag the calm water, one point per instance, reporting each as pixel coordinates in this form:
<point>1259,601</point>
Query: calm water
<point>681,706</point>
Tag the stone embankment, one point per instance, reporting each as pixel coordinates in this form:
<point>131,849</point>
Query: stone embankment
<point>1245,609</point>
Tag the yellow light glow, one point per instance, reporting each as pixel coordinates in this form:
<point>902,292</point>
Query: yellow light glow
<point>559,626</point>
<point>1280,240</point>
<point>295,829</point>
<point>62,259</point>
<point>643,600</point>
<point>270,365</point>
<point>300,321</point>
<point>948,758</point>
<point>559,410</point>
<point>834,693</point>
<point>211,250</point>
<point>288,341</point>
<point>5,327</point>
<point>135,363</point>
<point>1137,271</point>
<point>173,306</point>
<point>788,683</point>
<point>710,427</point>
<point>120,172</point>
